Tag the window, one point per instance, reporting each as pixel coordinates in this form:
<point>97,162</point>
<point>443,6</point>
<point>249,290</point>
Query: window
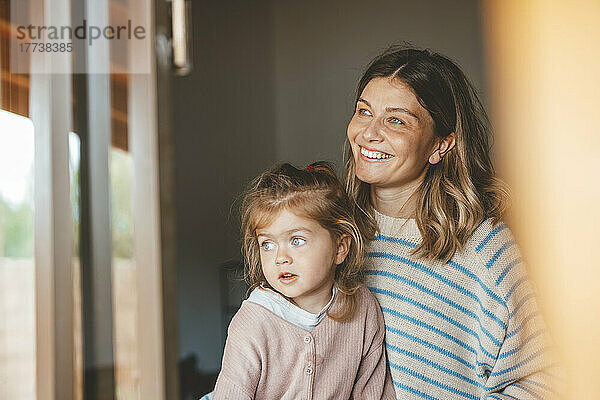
<point>17,266</point>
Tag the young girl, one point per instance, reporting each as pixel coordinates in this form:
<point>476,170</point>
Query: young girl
<point>309,329</point>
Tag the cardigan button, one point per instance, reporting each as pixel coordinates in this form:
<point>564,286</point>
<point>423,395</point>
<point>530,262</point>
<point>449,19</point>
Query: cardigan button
<point>308,370</point>
<point>307,339</point>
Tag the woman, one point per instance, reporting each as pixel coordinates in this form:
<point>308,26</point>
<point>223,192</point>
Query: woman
<point>461,318</point>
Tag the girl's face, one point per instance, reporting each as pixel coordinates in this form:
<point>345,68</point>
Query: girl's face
<point>391,135</point>
<point>298,258</point>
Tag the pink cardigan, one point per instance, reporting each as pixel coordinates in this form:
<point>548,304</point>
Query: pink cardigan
<point>269,358</point>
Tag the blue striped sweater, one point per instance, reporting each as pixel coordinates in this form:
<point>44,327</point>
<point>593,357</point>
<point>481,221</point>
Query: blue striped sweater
<point>466,329</point>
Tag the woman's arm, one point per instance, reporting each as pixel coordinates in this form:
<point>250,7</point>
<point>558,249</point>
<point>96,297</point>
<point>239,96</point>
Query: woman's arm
<point>524,368</point>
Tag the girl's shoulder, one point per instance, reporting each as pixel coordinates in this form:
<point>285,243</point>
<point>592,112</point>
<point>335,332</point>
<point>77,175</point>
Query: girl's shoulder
<point>367,304</point>
<point>369,316</point>
<point>254,319</point>
<point>366,297</point>
<point>250,318</point>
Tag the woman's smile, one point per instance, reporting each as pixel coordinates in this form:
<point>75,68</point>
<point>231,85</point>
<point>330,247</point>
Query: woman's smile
<point>373,155</point>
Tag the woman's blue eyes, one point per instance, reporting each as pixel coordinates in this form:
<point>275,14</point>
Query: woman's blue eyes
<point>366,113</point>
<point>298,241</point>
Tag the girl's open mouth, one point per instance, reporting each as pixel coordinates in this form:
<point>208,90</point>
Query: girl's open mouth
<point>287,277</point>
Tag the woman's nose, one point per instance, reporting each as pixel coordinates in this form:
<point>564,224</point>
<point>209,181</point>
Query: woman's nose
<point>372,131</point>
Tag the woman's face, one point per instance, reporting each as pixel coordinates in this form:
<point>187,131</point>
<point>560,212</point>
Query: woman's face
<point>391,135</point>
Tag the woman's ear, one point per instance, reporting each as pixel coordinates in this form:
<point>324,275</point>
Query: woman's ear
<point>444,145</point>
<point>343,246</point>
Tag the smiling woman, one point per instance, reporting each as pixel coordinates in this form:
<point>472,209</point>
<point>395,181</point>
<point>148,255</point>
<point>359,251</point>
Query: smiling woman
<point>461,317</point>
<point>420,110</point>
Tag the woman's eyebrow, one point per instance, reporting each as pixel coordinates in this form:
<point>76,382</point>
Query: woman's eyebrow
<point>363,101</point>
<point>402,109</point>
<point>392,109</point>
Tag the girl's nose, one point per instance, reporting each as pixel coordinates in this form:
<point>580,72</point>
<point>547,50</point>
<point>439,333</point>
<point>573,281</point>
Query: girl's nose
<point>372,132</point>
<point>282,256</point>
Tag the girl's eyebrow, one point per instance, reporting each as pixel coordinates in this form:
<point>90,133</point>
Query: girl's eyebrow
<point>392,109</point>
<point>289,231</point>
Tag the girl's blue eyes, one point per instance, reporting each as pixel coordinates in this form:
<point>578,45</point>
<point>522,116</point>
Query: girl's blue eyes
<point>298,241</point>
<point>364,111</point>
<point>395,120</point>
<point>268,246</point>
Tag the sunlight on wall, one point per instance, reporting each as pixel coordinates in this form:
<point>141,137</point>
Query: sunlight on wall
<point>543,61</point>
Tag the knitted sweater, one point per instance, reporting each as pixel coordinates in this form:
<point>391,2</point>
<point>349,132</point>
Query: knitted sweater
<point>467,329</point>
<point>269,358</point>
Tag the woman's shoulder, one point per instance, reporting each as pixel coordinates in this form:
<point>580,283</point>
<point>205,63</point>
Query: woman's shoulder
<point>493,239</point>
<point>494,248</point>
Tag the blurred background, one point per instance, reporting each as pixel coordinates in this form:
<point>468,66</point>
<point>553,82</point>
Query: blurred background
<point>119,246</point>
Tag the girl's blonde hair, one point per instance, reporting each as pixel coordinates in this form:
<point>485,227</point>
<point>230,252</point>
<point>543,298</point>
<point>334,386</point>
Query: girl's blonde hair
<point>315,193</point>
<point>460,191</point>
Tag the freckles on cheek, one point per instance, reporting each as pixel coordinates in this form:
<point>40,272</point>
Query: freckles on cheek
<point>353,129</point>
<point>404,146</point>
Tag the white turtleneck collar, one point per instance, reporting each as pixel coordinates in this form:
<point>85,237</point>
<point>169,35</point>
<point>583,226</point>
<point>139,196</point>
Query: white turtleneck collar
<point>288,311</point>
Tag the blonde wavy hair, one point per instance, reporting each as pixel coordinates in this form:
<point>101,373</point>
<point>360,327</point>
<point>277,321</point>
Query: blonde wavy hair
<point>460,191</point>
<point>316,193</point>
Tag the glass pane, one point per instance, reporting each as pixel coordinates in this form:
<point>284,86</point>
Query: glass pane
<point>124,279</point>
<point>121,175</point>
<point>17,268</point>
<point>123,263</point>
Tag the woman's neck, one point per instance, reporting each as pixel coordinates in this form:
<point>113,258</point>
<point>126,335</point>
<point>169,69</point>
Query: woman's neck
<point>398,202</point>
